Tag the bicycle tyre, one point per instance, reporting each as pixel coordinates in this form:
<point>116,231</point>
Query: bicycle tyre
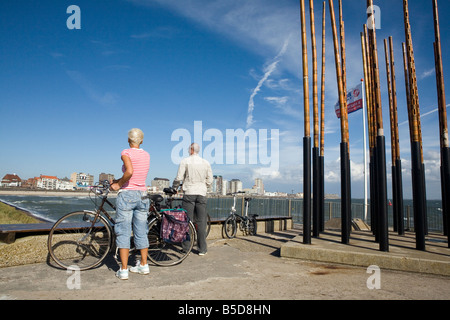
<point>253,226</point>
<point>74,243</point>
<point>230,227</point>
<point>163,253</point>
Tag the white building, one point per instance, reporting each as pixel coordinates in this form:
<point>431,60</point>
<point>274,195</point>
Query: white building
<point>81,180</point>
<point>47,182</point>
<point>235,185</point>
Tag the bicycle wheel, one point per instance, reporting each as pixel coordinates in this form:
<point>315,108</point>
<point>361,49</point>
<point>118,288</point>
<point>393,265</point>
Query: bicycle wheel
<point>230,227</point>
<point>208,225</point>
<point>163,253</point>
<point>74,241</point>
<point>252,226</point>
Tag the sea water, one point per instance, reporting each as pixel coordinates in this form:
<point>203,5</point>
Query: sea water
<point>51,208</point>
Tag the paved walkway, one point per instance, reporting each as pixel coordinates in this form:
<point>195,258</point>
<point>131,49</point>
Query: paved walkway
<point>245,268</point>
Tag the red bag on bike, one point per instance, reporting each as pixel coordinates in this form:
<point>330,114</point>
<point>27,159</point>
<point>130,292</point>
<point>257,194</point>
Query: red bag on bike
<point>175,225</point>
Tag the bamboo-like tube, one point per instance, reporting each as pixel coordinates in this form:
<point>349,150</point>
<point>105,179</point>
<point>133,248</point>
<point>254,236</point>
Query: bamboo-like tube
<point>342,93</point>
<point>417,167</point>
<point>413,90</point>
<point>394,99</point>
<point>440,78</point>
<point>380,152</point>
<point>368,82</point>
<point>345,158</point>
<point>314,65</point>
<point>376,75</point>
<point>407,86</point>
<point>398,196</point>
<point>305,71</point>
<point>322,130</point>
<point>443,129</point>
<point>322,91</point>
<point>391,110</point>
<point>307,137</point>
<point>343,64</point>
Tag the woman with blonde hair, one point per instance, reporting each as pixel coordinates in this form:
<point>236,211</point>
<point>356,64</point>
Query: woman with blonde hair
<point>132,210</point>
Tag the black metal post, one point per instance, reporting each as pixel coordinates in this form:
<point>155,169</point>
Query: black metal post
<point>345,204</point>
<point>316,192</point>
<point>382,195</point>
<point>418,187</point>
<point>446,177</point>
<point>400,217</point>
<point>376,212</point>
<point>373,198</point>
<point>307,190</point>
<point>322,194</point>
<point>394,197</point>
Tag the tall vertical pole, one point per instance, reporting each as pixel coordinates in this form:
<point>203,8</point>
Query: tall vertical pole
<point>348,200</point>
<point>445,151</point>
<point>365,97</point>
<point>393,134</point>
<point>322,129</point>
<point>315,149</point>
<point>307,136</point>
<point>417,167</point>
<point>382,223</point>
<point>364,150</point>
<point>371,130</point>
<point>345,204</point>
<point>398,161</point>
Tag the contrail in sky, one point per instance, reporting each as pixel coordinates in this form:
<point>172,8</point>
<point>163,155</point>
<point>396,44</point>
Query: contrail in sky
<point>268,71</point>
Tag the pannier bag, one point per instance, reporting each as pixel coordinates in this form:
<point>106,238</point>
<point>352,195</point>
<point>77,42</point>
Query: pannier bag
<point>175,225</point>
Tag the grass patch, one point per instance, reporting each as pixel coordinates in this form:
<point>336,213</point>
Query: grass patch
<point>11,215</point>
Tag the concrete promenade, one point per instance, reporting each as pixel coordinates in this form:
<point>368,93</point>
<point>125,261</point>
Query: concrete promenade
<point>271,266</point>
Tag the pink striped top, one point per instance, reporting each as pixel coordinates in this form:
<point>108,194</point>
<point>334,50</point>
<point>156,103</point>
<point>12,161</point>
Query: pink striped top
<point>140,159</point>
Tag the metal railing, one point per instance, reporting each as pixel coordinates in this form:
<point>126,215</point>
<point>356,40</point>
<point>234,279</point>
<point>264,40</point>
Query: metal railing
<point>219,208</point>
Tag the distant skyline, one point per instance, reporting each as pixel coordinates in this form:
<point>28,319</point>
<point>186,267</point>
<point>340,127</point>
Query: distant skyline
<point>69,96</point>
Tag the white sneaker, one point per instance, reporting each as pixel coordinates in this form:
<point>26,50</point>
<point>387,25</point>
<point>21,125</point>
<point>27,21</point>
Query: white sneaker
<point>122,274</point>
<point>140,269</point>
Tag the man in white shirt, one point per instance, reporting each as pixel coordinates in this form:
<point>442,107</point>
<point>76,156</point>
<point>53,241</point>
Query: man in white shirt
<point>196,176</point>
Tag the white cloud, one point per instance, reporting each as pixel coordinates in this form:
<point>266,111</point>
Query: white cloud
<point>267,72</point>
<point>104,99</point>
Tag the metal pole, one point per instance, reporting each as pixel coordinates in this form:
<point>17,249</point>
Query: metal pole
<point>345,204</point>
<point>398,161</point>
<point>445,151</point>
<point>315,150</point>
<point>365,96</point>
<point>380,143</point>
<point>365,155</point>
<point>322,129</point>
<point>307,137</point>
<point>393,136</point>
<point>418,176</point>
<point>371,129</point>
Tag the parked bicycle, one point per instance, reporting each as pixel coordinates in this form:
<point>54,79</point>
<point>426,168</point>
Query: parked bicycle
<point>208,217</point>
<point>84,238</point>
<point>247,224</point>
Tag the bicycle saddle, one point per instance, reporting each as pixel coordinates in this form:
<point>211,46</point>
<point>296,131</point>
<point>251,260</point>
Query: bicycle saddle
<point>247,199</point>
<point>156,198</point>
<point>169,191</point>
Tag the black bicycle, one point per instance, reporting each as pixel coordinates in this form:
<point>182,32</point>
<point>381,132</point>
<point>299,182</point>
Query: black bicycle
<point>83,239</point>
<point>247,224</point>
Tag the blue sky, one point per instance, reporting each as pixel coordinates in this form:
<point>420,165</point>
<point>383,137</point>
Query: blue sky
<point>69,97</point>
